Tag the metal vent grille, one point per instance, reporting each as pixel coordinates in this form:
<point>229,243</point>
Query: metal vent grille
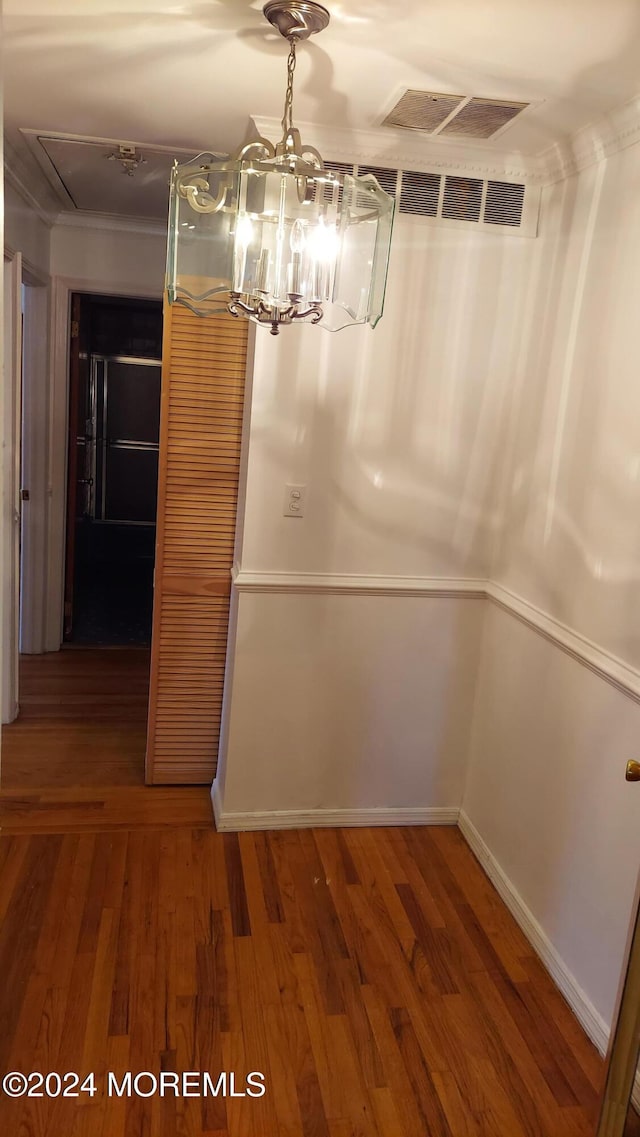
<point>504,203</point>
<point>462,199</point>
<point>453,114</point>
<point>335,168</point>
<point>339,167</point>
<point>420,193</point>
<point>450,197</point>
<point>422,110</point>
<point>482,118</point>
<point>387,179</point>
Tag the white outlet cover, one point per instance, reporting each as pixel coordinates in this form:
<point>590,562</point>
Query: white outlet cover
<point>294,500</point>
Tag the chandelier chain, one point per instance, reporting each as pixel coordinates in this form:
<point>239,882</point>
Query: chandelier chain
<point>287,118</point>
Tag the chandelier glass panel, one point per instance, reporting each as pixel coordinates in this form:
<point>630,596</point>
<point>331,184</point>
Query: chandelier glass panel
<point>270,234</point>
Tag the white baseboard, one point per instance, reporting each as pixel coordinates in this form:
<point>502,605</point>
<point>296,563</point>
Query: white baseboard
<point>591,1021</point>
<point>230,822</point>
<point>580,1004</point>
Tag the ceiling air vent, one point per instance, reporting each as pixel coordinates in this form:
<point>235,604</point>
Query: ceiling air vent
<point>459,115</point>
<point>420,193</point>
<point>423,110</point>
<point>482,118</point>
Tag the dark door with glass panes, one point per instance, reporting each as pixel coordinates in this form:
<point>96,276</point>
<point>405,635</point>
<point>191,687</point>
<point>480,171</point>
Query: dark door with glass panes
<point>113,469</point>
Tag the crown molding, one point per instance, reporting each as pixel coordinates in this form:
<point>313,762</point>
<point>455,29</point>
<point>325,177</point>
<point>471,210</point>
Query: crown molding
<point>599,139</point>
<point>30,186</point>
<point>407,150</point>
<point>85,219</point>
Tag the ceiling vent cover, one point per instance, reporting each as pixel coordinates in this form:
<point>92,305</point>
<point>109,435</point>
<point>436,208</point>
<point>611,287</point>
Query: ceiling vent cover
<point>423,110</point>
<point>482,118</point>
<point>458,115</point>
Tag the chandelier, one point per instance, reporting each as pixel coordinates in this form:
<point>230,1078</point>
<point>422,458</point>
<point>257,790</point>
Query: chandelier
<point>273,235</point>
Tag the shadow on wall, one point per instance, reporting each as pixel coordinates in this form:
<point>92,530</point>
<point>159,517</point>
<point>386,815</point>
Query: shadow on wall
<point>395,431</point>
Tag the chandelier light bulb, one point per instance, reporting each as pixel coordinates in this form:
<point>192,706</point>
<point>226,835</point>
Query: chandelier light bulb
<point>297,239</point>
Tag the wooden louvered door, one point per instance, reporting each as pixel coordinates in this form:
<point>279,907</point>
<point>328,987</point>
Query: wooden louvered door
<point>204,365</point>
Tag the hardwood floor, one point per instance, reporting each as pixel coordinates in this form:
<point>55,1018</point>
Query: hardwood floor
<point>74,759</point>
<point>374,977</point>
<point>82,721</point>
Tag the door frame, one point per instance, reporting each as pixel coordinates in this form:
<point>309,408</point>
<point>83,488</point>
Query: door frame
<point>10,417</point>
<point>34,431</point>
<point>63,287</point>
<point>25,408</point>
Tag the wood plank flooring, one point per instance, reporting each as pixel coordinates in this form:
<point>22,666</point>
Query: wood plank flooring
<point>82,721</point>
<point>374,977</point>
<point>73,761</point>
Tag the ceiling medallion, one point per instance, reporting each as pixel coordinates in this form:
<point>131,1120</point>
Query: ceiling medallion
<point>271,234</point>
<point>128,157</point>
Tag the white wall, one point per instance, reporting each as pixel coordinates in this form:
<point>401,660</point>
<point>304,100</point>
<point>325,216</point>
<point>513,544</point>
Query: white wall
<point>546,794</point>
<point>570,541</point>
<point>393,431</point>
<point>345,704</point>
<point>351,701</point>
<point>130,259</point>
<point>24,231</point>
<point>546,790</point>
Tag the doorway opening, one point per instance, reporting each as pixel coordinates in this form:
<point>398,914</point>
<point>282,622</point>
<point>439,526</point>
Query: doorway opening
<point>114,422</point>
<point>90,699</point>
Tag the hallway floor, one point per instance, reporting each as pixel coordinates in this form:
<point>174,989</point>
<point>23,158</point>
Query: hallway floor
<point>82,721</point>
<point>74,758</point>
<point>374,977</point>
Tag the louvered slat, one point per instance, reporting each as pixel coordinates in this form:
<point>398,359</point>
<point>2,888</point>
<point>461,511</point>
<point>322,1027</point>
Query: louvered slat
<point>462,198</point>
<point>420,193</point>
<point>386,177</point>
<point>204,364</point>
<point>504,204</point>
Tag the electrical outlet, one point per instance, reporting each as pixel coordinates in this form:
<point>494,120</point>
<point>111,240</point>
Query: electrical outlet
<point>294,501</point>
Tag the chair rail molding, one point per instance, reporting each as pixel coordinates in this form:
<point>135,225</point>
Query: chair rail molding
<point>609,667</point>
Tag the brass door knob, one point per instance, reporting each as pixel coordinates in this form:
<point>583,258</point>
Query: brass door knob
<point>633,771</point>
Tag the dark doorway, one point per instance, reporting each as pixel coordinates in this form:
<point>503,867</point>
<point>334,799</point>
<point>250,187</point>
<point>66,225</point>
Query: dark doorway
<point>114,417</point>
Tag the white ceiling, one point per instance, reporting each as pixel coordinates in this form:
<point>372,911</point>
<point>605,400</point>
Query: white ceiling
<point>189,74</point>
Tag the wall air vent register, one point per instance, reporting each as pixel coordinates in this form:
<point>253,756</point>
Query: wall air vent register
<point>457,199</point>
